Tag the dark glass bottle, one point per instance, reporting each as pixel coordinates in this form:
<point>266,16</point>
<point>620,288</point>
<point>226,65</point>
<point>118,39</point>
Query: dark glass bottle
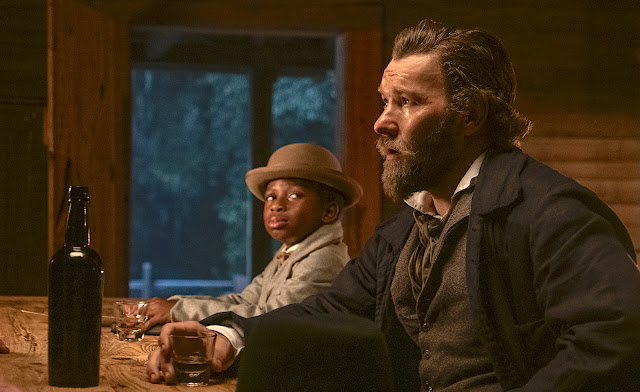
<point>75,302</point>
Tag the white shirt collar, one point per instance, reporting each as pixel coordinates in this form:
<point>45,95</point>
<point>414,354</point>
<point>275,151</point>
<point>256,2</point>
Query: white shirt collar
<point>423,202</point>
<point>291,248</point>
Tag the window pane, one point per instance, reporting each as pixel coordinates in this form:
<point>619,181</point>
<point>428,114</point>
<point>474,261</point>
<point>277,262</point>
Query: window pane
<point>188,196</point>
<point>304,109</point>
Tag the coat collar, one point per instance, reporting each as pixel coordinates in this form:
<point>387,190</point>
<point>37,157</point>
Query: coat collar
<point>498,185</point>
<point>323,236</point>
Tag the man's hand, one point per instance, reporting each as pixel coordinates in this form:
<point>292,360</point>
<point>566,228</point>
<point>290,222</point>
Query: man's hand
<point>160,366</point>
<point>3,348</point>
<point>159,312</point>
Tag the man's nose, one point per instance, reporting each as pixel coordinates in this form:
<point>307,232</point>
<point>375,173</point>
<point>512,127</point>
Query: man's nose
<point>386,124</point>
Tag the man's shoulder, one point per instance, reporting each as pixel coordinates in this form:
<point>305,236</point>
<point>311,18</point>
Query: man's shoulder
<point>507,176</point>
<point>516,164</point>
<point>537,179</point>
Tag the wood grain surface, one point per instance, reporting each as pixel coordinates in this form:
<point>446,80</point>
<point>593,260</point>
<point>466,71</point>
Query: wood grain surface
<point>23,328</point>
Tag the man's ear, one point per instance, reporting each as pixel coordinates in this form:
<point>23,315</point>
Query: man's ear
<point>330,213</point>
<point>475,116</point>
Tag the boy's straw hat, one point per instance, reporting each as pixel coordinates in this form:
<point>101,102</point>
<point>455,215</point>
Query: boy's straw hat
<point>306,161</point>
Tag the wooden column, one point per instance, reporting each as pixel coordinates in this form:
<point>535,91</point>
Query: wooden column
<point>361,67</point>
<point>87,131</point>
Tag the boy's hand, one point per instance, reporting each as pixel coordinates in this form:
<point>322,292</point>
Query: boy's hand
<point>160,367</point>
<point>159,312</point>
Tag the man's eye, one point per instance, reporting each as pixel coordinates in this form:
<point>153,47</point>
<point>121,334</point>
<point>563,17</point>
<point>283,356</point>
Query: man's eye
<point>269,198</point>
<point>405,101</point>
<point>295,196</point>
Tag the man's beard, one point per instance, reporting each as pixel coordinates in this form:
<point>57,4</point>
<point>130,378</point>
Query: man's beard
<point>423,161</point>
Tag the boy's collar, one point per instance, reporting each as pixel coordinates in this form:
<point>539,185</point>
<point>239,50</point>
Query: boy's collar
<point>290,249</point>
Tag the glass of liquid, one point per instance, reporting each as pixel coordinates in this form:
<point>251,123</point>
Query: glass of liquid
<point>191,354</point>
<point>130,318</point>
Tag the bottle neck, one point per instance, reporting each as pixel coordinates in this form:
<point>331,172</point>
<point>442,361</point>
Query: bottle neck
<point>77,226</point>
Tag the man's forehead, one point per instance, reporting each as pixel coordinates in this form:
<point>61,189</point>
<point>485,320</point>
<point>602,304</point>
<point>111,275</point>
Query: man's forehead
<point>394,71</point>
<point>419,67</point>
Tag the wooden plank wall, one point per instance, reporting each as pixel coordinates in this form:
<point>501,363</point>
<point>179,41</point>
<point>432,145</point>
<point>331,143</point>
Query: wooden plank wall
<point>23,172</point>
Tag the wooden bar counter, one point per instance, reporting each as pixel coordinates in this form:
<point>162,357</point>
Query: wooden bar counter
<point>23,328</point>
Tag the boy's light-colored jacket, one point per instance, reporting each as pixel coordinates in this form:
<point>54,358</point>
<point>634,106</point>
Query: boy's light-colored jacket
<point>314,263</point>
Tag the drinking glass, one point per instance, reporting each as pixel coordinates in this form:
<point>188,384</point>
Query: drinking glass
<point>130,318</point>
<point>191,356</point>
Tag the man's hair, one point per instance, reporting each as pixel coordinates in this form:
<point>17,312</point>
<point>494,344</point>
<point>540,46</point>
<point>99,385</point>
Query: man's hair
<point>476,67</point>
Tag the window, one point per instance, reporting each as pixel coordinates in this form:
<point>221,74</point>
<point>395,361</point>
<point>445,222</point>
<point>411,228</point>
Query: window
<point>205,109</point>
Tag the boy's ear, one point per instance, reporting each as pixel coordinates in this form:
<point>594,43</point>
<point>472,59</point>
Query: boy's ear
<point>330,213</point>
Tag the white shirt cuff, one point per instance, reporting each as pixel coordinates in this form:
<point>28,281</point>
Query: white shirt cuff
<point>234,337</point>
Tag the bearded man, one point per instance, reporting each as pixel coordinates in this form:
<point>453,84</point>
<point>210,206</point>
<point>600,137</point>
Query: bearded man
<point>500,273</point>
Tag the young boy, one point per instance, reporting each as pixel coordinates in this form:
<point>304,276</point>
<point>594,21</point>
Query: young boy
<point>304,191</point>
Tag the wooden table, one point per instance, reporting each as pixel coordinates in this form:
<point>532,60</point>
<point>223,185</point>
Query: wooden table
<point>23,328</point>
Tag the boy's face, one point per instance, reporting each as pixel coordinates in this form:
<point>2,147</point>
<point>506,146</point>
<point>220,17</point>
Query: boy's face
<point>292,211</point>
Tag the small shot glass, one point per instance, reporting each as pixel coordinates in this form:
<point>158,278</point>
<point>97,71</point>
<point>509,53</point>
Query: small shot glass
<point>130,318</point>
<point>191,355</point>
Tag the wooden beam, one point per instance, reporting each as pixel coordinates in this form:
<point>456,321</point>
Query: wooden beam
<point>88,130</point>
<point>361,68</point>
